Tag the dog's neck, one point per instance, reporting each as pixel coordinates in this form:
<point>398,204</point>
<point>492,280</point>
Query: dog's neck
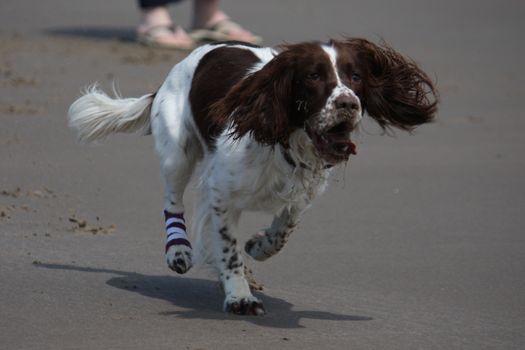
<point>300,153</point>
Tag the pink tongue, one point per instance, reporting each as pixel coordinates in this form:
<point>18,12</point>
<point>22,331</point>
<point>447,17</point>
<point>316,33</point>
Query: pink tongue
<point>352,146</point>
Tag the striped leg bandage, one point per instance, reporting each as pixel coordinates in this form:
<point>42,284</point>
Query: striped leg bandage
<point>175,230</point>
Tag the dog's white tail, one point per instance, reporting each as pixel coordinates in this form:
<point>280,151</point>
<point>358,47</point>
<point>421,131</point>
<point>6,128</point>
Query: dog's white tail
<point>96,115</point>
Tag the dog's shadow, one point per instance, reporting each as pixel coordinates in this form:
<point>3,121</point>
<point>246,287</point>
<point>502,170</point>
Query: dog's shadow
<point>201,299</point>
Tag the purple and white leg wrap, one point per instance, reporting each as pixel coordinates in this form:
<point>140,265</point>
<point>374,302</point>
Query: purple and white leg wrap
<point>175,230</point>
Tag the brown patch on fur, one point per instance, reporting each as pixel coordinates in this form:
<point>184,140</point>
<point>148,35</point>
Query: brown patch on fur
<point>264,104</point>
<point>214,77</point>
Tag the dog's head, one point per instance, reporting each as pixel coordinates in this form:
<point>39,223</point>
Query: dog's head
<point>324,89</point>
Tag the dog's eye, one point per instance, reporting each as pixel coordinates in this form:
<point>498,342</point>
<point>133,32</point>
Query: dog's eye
<point>356,78</point>
<point>313,76</point>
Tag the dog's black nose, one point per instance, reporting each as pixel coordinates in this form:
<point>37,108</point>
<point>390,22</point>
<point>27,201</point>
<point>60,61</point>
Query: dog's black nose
<point>348,102</point>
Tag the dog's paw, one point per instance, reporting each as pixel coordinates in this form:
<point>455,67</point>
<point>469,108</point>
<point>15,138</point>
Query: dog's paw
<point>250,278</point>
<point>179,258</point>
<point>260,247</point>
<point>247,305</point>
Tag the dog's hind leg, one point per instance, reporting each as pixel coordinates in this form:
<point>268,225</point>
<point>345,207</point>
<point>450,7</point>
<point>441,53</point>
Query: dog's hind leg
<point>252,282</point>
<point>178,149</point>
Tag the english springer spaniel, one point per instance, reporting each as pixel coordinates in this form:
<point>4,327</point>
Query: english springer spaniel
<point>263,127</point>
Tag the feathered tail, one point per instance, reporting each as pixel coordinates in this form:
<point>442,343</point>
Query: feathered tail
<point>96,115</point>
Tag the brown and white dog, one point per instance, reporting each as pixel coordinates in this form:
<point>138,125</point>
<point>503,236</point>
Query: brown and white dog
<point>263,128</point>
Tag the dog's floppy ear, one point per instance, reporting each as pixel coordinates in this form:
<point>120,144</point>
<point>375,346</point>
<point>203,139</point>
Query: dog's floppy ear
<point>396,92</point>
<point>260,104</point>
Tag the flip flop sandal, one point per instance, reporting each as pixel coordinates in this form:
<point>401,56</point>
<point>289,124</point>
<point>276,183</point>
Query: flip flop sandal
<point>221,32</point>
<point>151,38</point>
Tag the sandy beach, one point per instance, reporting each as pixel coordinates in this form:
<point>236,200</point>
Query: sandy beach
<point>418,242</point>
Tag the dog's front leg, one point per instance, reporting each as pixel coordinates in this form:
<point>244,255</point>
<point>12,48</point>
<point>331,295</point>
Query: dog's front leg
<point>229,261</point>
<point>269,242</point>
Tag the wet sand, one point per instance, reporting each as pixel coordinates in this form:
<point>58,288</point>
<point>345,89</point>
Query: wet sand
<point>417,244</point>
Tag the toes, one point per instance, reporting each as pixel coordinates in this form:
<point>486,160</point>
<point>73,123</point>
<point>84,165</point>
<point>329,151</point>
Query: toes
<point>257,309</point>
<point>179,266</point>
<point>253,247</point>
<point>260,247</point>
<point>179,261</point>
<point>249,246</point>
<point>246,307</point>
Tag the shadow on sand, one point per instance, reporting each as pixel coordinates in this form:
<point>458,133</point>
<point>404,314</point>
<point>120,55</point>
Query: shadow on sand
<point>123,34</point>
<point>201,299</point>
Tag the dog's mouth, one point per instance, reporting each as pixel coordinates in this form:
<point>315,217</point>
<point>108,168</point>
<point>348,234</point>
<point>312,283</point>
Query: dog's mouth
<point>334,144</point>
